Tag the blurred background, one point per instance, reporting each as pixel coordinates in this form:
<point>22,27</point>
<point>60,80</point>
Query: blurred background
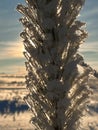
<point>14,113</point>
<point>11,57</point>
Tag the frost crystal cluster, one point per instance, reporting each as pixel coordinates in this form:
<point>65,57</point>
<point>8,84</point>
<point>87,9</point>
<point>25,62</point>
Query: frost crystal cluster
<point>57,75</point>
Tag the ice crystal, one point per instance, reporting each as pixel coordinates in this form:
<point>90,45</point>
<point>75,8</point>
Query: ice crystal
<point>57,75</point>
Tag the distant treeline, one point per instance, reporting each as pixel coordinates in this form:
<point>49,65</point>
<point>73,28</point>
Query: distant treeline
<point>13,82</point>
<point>12,107</point>
<point>11,76</point>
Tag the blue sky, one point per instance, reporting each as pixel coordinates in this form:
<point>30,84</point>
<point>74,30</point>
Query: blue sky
<point>11,58</point>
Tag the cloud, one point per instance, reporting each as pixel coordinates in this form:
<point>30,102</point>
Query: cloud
<point>11,57</point>
<point>14,69</point>
<point>89,46</point>
<point>12,50</point>
<point>89,52</point>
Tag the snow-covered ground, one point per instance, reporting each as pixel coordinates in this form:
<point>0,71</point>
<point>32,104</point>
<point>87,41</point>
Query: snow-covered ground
<point>15,115</point>
<point>90,119</point>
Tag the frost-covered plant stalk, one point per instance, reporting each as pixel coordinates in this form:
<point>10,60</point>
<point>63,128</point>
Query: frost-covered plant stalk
<point>57,75</point>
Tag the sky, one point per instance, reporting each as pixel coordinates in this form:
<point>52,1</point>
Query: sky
<point>11,47</point>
